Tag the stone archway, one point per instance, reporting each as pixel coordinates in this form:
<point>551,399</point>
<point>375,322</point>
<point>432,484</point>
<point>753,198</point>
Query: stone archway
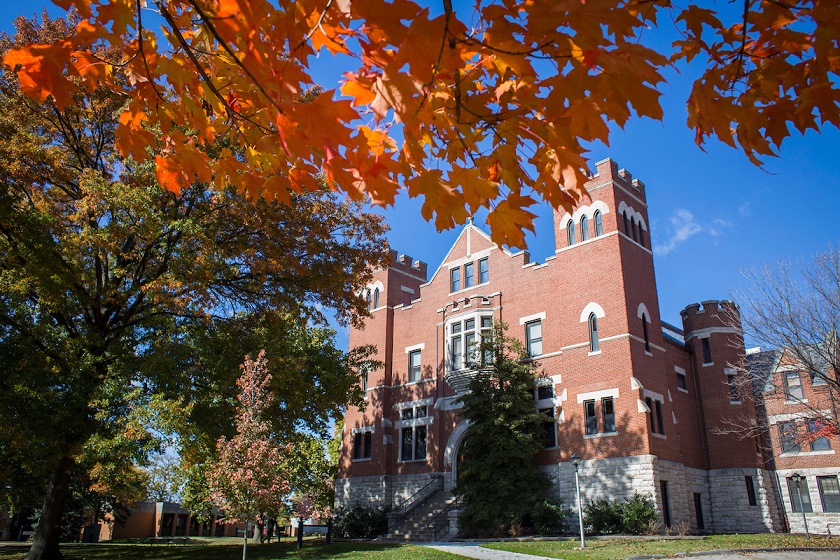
<point>450,455</point>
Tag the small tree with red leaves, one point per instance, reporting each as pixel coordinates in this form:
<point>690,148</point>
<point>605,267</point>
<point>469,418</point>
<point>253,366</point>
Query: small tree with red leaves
<point>249,476</point>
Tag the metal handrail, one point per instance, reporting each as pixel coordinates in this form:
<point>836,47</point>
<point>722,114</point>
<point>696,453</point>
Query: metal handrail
<point>411,503</point>
<point>437,523</point>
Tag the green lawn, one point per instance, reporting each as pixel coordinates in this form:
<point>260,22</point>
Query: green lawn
<point>231,549</point>
<point>620,548</point>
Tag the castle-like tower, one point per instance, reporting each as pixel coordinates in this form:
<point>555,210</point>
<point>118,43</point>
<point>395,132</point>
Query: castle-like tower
<point>630,394</point>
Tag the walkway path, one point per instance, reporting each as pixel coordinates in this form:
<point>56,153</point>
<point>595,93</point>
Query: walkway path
<point>472,550</point>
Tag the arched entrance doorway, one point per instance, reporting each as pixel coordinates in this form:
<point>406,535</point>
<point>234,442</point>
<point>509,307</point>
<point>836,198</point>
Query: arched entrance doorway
<point>453,454</point>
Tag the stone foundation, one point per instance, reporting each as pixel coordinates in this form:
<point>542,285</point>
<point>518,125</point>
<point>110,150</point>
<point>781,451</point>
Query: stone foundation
<point>379,491</point>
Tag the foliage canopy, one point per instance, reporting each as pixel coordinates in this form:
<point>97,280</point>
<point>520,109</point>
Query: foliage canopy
<point>491,105</point>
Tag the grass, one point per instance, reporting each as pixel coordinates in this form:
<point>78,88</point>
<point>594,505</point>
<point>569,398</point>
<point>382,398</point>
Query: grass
<point>231,549</point>
<point>621,548</point>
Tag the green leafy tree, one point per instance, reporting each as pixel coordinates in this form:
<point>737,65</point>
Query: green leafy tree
<point>498,477</point>
<point>99,264</point>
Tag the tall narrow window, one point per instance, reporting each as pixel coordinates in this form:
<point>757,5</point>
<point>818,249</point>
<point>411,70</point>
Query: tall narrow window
<point>793,387</point>
<point>362,445</point>
<point>367,299</point>
<point>829,493</point>
<point>707,350</point>
<point>376,298</point>
<point>414,366</point>
<point>649,403</point>
<point>799,490</point>
<point>470,341</point>
<point>533,338</point>
<point>599,223</point>
<point>641,235</point>
<point>681,381</point>
<point>487,339</point>
<point>626,223</point>
<point>788,437</point>
<point>750,490</point>
<point>469,275</point>
<point>608,414</point>
<point>633,228</point>
<point>666,503</point>
<point>570,232</point>
<point>590,418</point>
<point>413,443</point>
<point>454,279</point>
<point>734,394</point>
<point>550,437</point>
<point>645,332</point>
<point>364,372</point>
<point>594,345</point>
<point>817,443</point>
<point>483,270</point>
<point>659,421</point>
<point>457,347</point>
<point>584,228</point>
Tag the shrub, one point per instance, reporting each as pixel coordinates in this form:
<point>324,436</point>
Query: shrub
<point>360,522</point>
<point>637,513</point>
<point>602,517</point>
<point>633,515</point>
<point>549,517</point>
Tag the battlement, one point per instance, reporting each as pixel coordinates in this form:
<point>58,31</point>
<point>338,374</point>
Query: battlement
<point>710,313</point>
<point>608,169</point>
<point>408,264</point>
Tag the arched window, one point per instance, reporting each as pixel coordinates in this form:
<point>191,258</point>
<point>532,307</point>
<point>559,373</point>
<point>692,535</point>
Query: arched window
<point>641,235</point>
<point>645,331</point>
<point>593,333</point>
<point>376,298</point>
<point>570,232</point>
<point>626,224</point>
<point>633,227</point>
<point>367,298</point>
<point>599,223</point>
<point>584,228</point>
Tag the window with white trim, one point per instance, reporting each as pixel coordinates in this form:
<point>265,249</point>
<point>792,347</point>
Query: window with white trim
<point>707,351</point>
<point>820,443</point>
<point>550,435</point>
<point>469,275</point>
<point>483,270</point>
<point>590,416</point>
<point>829,493</point>
<point>414,366</point>
<point>455,279</point>
<point>367,299</point>
<point>789,437</point>
<point>645,332</point>
<point>465,336</point>
<point>799,490</point>
<point>682,382</point>
<point>413,438</point>
<point>793,387</point>
<point>608,414</point>
<point>657,422</point>
<point>599,223</point>
<point>376,298</point>
<point>533,338</point>
<point>594,344</point>
<point>570,232</point>
<point>362,443</point>
<point>584,228</point>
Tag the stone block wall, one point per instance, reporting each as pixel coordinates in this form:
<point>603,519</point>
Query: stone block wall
<point>731,510</point>
<point>379,491</point>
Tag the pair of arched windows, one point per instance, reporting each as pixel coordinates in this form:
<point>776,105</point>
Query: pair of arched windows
<point>584,228</point>
<point>633,229</point>
<point>375,299</point>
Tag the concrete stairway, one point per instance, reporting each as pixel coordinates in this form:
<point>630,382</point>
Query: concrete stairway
<point>419,524</point>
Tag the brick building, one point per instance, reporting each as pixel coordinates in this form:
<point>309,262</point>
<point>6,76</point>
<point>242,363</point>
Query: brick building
<point>640,400</point>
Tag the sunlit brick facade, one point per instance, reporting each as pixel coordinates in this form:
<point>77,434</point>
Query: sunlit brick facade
<point>640,400</point>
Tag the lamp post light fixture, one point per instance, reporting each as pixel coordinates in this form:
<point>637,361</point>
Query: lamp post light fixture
<point>575,458</point>
<point>797,478</point>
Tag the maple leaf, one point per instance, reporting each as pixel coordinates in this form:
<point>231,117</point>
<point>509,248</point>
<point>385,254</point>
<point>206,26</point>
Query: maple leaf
<point>509,220</point>
<point>42,71</point>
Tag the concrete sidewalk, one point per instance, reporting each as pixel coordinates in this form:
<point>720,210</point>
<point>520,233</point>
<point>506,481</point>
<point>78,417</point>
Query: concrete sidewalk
<point>473,550</point>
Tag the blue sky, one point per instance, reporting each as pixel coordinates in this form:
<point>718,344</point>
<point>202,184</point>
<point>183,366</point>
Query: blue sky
<point>711,213</point>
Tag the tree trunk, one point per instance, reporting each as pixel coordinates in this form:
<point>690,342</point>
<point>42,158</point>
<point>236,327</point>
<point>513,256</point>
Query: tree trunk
<point>45,543</point>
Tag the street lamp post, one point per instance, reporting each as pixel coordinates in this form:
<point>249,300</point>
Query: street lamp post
<point>575,458</point>
<point>797,478</point>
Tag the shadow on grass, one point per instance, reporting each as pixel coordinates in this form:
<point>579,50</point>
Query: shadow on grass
<point>310,551</point>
